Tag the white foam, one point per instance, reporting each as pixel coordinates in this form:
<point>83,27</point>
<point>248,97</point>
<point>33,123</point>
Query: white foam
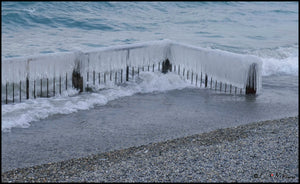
<point>273,66</point>
<point>279,60</point>
<point>223,66</point>
<point>22,114</point>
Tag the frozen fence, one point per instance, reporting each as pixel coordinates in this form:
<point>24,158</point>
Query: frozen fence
<point>50,74</point>
<point>219,67</point>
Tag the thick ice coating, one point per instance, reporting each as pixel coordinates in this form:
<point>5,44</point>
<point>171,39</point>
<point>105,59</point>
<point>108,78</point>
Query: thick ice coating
<point>219,65</point>
<point>222,66</point>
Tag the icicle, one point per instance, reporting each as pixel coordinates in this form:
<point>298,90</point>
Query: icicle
<point>241,71</point>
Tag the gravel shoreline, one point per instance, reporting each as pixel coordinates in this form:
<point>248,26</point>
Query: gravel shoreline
<point>257,152</point>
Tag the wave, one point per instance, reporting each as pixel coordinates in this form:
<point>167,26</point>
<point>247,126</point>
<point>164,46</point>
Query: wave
<point>22,114</point>
<point>287,66</point>
<point>279,60</point>
<point>276,61</point>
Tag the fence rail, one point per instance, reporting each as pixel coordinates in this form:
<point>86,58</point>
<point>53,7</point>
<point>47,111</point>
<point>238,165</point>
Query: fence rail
<point>50,75</point>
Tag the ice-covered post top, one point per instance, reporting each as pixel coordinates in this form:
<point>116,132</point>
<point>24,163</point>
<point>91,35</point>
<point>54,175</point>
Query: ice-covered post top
<point>242,71</point>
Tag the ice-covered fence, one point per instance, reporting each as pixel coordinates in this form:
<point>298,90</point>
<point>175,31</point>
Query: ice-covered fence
<point>116,59</point>
<point>33,76</point>
<point>241,71</point>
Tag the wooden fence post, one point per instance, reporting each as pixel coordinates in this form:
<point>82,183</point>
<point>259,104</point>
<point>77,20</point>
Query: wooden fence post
<point>132,73</point>
<point>20,90</point>
<point>94,80</point>
<point>53,86</point>
<point>216,83</point>
<point>41,87</point>
<point>47,88</point>
<point>77,80</point>
<point>187,75</point>
<point>60,84</point>
<point>127,72</point>
<point>34,89</point>
<point>205,80</point>
<point>6,93</point>
<point>251,81</point>
<point>27,88</point>
<point>13,92</point>
<point>121,75</point>
<point>201,80</point>
<point>87,79</point>
<point>166,66</point>
<point>99,78</point>
<point>66,81</point>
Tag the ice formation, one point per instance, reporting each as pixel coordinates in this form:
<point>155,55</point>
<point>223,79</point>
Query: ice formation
<point>222,66</point>
<point>225,67</point>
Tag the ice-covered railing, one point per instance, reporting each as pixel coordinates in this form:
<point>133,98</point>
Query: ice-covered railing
<point>51,74</point>
<point>241,71</point>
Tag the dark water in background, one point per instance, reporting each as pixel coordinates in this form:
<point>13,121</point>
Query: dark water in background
<point>30,28</point>
<point>40,134</point>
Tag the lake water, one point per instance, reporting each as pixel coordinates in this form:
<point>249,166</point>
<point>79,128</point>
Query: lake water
<point>159,107</point>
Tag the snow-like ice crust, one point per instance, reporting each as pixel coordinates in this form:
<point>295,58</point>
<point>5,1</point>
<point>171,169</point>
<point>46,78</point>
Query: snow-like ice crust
<point>219,65</point>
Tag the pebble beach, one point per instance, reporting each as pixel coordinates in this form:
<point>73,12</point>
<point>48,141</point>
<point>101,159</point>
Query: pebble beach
<point>150,127</point>
<point>264,151</point>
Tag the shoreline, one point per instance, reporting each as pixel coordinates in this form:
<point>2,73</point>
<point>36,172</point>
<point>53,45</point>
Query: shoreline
<point>245,153</point>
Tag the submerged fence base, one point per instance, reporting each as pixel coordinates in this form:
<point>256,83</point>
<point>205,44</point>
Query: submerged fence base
<point>46,76</point>
<point>166,66</point>
<point>77,80</point>
<point>214,84</point>
<point>251,81</point>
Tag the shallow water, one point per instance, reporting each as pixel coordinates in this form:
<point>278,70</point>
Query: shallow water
<point>145,118</point>
<point>53,129</point>
<point>31,28</point>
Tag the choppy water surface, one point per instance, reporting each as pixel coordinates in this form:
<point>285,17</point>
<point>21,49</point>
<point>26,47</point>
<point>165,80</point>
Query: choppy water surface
<point>268,30</point>
<point>144,118</point>
<point>159,107</point>
<point>29,28</point>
